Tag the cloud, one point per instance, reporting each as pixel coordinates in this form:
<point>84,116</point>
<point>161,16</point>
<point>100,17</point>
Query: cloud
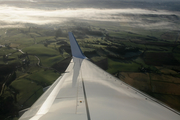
<point>12,15</point>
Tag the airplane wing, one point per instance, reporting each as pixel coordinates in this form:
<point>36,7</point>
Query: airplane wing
<point>86,92</point>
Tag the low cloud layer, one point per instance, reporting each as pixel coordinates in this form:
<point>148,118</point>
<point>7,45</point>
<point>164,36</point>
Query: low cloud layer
<point>15,16</point>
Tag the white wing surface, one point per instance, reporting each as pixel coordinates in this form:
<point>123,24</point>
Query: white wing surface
<point>86,92</point>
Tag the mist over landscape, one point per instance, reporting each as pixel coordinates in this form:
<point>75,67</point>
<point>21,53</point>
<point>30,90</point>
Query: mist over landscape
<point>136,41</point>
<point>44,13</point>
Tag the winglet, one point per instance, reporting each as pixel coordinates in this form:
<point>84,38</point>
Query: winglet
<point>75,49</point>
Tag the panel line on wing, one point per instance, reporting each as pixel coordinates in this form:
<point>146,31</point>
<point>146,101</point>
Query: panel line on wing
<point>86,102</point>
<point>84,91</point>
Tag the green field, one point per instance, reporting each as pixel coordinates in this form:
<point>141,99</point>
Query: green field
<point>26,89</point>
<point>41,50</point>
<point>116,65</point>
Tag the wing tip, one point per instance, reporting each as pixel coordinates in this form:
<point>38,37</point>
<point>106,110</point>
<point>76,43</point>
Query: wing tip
<point>75,49</point>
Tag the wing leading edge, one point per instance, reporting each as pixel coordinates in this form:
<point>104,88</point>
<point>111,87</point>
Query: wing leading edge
<point>87,92</point>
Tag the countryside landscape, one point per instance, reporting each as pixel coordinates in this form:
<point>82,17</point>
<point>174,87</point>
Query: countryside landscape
<point>142,49</point>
